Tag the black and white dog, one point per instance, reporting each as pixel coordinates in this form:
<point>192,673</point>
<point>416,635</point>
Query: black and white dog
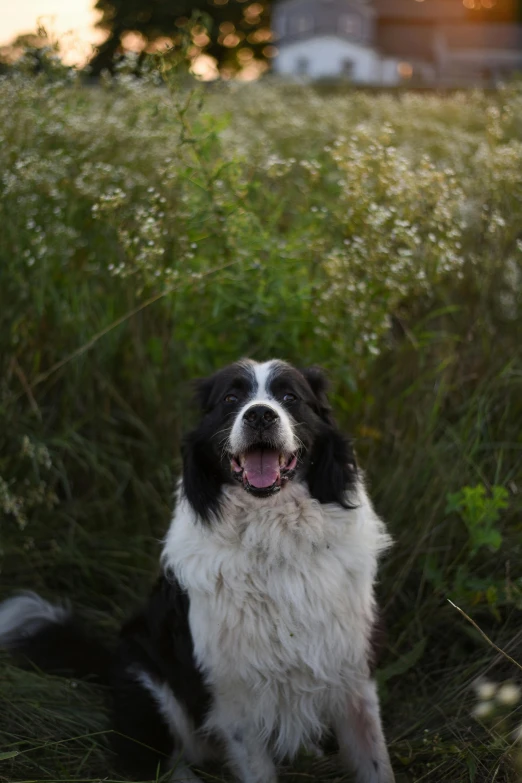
<point>256,640</point>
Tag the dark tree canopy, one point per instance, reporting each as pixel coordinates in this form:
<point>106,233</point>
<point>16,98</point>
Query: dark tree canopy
<point>236,30</point>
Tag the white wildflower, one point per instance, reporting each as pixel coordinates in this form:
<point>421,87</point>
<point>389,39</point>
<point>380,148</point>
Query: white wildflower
<point>482,709</point>
<point>485,690</point>
<point>509,694</point>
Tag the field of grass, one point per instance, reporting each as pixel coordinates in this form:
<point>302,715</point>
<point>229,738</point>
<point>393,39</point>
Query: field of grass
<point>150,235</point>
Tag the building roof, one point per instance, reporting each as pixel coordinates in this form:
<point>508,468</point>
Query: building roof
<point>301,19</point>
<point>422,10</point>
<point>483,36</point>
<point>418,42</point>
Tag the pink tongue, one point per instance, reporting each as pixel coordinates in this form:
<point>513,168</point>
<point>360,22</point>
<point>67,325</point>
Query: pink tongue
<point>262,468</point>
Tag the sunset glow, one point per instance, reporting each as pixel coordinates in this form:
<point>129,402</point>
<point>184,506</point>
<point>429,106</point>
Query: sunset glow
<point>72,22</point>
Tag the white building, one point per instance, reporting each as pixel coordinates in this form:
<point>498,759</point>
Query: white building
<point>330,39</point>
<point>387,42</point>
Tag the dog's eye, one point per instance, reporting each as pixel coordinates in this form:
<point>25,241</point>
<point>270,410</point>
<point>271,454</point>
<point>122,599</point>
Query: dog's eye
<point>230,398</point>
<point>289,398</point>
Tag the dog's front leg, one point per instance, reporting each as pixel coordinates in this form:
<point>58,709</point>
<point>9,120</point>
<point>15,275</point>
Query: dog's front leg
<point>361,740</point>
<point>248,755</point>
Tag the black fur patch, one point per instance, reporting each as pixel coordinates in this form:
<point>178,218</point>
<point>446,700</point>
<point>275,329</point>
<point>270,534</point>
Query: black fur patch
<point>332,471</point>
<point>204,475</point>
<point>158,642</point>
<point>140,739</point>
<point>206,467</point>
<point>66,649</point>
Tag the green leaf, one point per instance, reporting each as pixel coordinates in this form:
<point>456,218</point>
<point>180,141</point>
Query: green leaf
<point>9,754</point>
<point>471,764</point>
<point>491,538</point>
<point>453,502</point>
<point>402,664</point>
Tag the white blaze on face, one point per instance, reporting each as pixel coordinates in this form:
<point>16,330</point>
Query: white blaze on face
<point>282,433</point>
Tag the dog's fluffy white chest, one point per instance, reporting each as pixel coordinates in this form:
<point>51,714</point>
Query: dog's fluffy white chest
<point>281,603</point>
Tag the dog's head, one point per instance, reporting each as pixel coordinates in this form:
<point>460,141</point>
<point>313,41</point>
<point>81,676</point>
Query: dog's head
<point>263,426</point>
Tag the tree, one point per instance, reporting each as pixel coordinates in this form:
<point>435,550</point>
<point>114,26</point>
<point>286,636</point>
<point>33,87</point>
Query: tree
<point>32,54</point>
<point>235,31</point>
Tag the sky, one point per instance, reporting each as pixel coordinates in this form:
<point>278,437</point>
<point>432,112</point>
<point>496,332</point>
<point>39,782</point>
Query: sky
<point>59,17</point>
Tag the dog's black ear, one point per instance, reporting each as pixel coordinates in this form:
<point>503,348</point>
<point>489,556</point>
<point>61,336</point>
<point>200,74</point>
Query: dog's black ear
<point>332,471</point>
<point>318,382</point>
<point>202,473</point>
<point>203,388</point>
<point>202,477</point>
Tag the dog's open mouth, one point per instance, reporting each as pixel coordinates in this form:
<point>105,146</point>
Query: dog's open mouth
<point>263,471</point>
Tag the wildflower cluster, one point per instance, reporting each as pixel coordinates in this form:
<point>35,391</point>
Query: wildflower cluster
<point>333,220</point>
<point>498,708</point>
<point>30,489</point>
<point>492,696</point>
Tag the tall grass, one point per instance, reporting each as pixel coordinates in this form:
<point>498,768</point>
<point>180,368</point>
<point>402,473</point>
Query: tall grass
<point>149,236</point>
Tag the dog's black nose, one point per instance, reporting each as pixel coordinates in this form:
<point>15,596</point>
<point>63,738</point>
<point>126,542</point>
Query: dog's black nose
<point>260,417</point>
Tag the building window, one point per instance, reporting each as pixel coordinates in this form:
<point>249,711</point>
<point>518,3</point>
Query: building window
<point>302,66</point>
<point>302,24</point>
<point>350,25</point>
<point>347,68</point>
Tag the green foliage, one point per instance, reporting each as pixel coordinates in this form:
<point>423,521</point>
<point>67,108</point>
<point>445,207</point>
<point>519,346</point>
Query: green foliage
<point>27,488</point>
<point>480,514</point>
<point>150,235</point>
<point>9,754</point>
<point>233,32</point>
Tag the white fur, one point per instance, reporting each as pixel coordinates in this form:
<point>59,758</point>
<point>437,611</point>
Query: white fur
<point>361,741</point>
<point>180,725</point>
<point>283,432</point>
<point>281,608</point>
<point>263,372</point>
<point>22,616</point>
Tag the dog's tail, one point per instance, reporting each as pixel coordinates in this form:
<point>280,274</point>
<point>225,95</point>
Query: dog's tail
<point>51,639</point>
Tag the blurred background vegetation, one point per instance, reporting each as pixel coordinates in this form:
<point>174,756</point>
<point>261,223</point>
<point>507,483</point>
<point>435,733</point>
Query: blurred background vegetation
<point>236,36</point>
<point>151,234</point>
